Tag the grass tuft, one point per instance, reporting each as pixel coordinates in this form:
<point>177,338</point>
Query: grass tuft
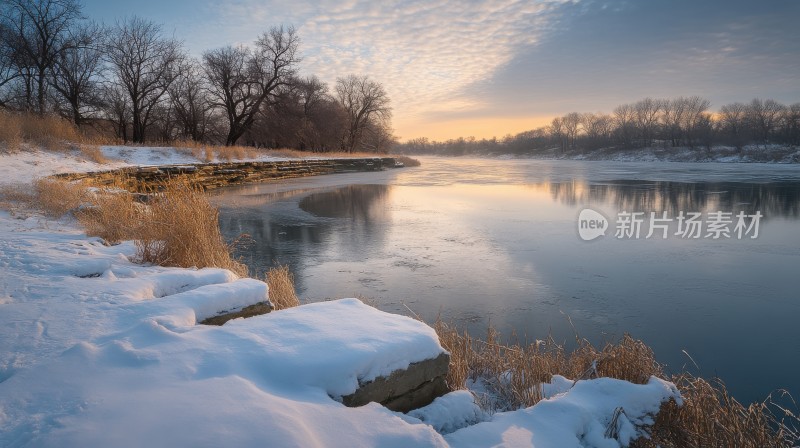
<point>93,153</point>
<point>281,288</point>
<point>181,228</point>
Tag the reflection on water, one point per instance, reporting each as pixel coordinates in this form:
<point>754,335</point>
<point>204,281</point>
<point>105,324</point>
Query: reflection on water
<point>495,242</point>
<point>355,202</point>
<point>291,237</point>
<point>772,199</point>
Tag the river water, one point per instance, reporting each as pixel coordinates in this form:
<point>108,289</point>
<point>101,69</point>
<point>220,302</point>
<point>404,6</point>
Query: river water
<point>497,242</point>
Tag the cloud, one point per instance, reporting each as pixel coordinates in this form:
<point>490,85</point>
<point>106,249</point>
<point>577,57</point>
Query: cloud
<point>425,52</point>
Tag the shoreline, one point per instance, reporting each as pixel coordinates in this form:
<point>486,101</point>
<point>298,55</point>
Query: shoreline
<point>214,175</point>
<point>757,154</point>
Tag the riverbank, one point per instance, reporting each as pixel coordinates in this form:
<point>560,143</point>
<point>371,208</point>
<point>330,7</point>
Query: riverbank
<point>222,174</point>
<point>779,154</point>
<point>100,351</point>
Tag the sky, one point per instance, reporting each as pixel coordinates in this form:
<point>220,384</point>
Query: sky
<point>487,68</point>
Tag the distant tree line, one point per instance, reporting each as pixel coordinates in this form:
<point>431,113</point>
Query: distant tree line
<point>679,122</point>
<point>137,82</point>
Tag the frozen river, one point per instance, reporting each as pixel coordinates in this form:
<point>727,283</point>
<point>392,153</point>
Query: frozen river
<point>496,242</point>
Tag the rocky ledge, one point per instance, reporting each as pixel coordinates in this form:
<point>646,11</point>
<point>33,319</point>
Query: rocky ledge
<point>216,175</point>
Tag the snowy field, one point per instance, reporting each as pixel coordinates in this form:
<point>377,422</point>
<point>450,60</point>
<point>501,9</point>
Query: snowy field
<point>96,351</point>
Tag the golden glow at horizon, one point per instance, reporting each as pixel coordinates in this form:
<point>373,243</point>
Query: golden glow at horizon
<point>488,127</point>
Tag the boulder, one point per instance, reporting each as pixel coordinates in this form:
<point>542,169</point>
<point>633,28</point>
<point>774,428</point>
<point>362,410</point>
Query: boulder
<point>404,390</point>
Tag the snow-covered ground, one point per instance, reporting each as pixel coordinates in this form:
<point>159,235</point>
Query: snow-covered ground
<point>96,351</point>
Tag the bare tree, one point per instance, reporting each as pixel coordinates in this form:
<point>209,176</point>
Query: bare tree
<point>312,93</point>
<point>189,101</point>
<point>362,100</point>
<point>328,123</point>
<point>38,32</point>
<point>280,123</point>
<point>598,128</point>
<point>8,68</point>
<point>764,117</point>
<point>791,124</point>
<point>558,133</point>
<point>695,122</point>
<point>733,123</point>
<point>378,136</point>
<point>673,116</point>
<point>76,73</point>
<point>646,115</point>
<point>241,81</point>
<point>144,63</point>
<point>571,122</point>
<point>624,121</point>
<point>118,109</point>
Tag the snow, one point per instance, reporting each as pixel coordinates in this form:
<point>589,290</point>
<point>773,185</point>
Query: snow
<point>451,412</point>
<point>577,417</point>
<point>98,351</point>
<point>557,385</point>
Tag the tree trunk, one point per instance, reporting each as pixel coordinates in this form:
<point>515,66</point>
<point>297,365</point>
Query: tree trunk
<point>41,98</point>
<point>233,136</point>
<point>138,128</point>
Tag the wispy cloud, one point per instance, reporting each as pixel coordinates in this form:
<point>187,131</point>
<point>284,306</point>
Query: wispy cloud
<point>425,52</point>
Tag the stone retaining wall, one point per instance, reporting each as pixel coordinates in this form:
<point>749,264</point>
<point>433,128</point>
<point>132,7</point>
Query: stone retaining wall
<point>215,175</point>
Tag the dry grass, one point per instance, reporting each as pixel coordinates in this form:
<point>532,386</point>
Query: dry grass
<point>181,228</point>
<point>709,417</point>
<point>281,288</point>
<point>209,153</point>
<point>52,197</point>
<point>229,153</point>
<point>49,131</point>
<point>10,132</point>
<point>93,153</point>
<point>23,131</point>
<point>57,197</point>
<point>296,154</point>
<point>113,216</point>
<point>515,372</point>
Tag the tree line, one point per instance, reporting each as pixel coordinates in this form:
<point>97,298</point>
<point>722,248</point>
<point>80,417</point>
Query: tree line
<point>679,122</point>
<point>135,81</point>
